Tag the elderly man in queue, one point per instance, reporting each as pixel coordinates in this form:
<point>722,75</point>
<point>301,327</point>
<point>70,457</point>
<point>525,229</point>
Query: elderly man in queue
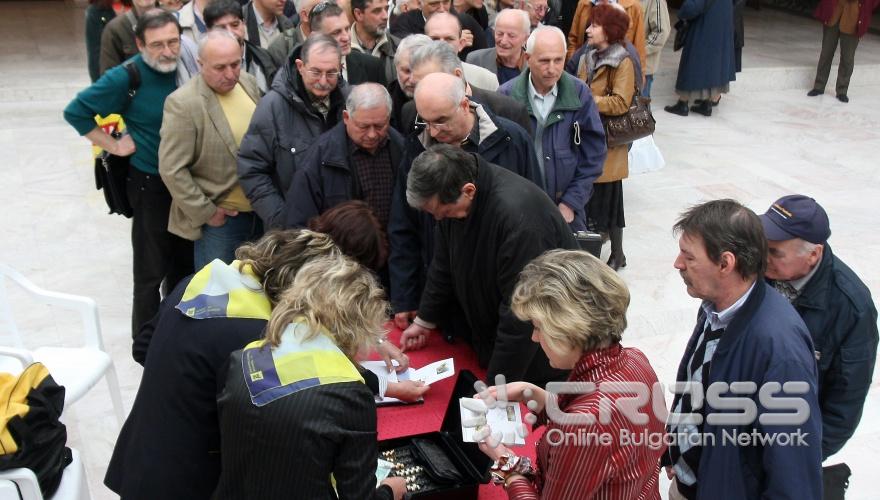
<point>839,313</point>
<point>202,126</point>
<point>403,87</point>
<point>490,224</point>
<point>446,27</point>
<point>305,101</point>
<point>439,59</point>
<point>747,335</point>
<point>356,159</point>
<point>569,137</point>
<point>507,58</point>
<point>448,117</point>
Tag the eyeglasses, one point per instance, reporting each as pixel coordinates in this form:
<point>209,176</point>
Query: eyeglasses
<point>171,44</point>
<point>317,74</point>
<point>440,125</point>
<point>540,9</point>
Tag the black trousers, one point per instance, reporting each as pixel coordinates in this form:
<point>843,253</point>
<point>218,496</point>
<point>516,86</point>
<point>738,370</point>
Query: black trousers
<point>160,259</point>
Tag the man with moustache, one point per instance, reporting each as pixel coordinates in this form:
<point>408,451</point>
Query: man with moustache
<point>304,102</point>
<point>226,14</point>
<point>159,257</point>
<point>368,33</point>
<point>747,335</point>
<point>202,126</point>
<point>329,19</point>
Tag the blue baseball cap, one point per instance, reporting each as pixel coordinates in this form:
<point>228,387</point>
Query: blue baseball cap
<point>796,216</point>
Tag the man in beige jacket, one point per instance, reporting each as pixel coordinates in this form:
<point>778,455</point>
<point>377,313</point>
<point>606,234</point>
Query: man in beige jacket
<point>202,127</point>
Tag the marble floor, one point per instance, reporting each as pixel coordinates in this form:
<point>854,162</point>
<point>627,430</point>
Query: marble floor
<point>760,144</point>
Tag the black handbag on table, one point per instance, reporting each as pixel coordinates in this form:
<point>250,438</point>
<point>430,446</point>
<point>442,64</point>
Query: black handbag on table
<point>111,171</point>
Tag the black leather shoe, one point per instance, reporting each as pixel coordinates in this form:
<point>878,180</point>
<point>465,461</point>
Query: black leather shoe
<point>616,261</point>
<point>704,108</point>
<point>842,98</point>
<point>680,108</point>
<point>815,92</point>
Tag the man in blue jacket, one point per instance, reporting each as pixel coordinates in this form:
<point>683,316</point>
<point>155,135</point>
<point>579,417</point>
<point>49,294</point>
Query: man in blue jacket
<point>569,138</point>
<point>356,159</point>
<point>752,437</point>
<point>837,309</point>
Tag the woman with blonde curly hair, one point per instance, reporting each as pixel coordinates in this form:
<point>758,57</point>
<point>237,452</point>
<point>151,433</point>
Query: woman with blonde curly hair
<point>296,419</point>
<point>169,446</point>
<point>577,306</point>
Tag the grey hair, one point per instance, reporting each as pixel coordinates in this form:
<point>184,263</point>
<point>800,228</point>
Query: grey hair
<point>530,43</point>
<point>807,247</point>
<point>367,96</point>
<point>216,34</point>
<point>317,43</point>
<point>442,170</point>
<point>409,44</point>
<point>438,52</point>
<point>524,18</point>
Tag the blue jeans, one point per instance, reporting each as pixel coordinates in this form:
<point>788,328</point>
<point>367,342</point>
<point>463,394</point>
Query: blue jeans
<point>649,79</point>
<point>221,242</point>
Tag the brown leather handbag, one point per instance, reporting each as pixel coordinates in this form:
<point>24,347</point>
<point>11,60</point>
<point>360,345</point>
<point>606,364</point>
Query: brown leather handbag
<point>636,123</point>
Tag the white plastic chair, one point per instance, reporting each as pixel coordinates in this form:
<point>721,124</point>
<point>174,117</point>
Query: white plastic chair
<point>78,369</point>
<point>21,484</point>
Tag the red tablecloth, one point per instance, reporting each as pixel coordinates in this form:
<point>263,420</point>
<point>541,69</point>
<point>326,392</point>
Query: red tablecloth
<point>408,420</point>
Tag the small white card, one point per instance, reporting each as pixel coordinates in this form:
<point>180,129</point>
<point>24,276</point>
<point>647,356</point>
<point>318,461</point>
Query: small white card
<point>505,421</point>
<point>428,374</point>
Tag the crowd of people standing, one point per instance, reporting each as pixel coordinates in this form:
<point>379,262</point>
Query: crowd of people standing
<point>301,171</point>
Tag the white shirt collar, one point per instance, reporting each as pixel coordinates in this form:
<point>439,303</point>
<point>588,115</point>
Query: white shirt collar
<point>720,319</point>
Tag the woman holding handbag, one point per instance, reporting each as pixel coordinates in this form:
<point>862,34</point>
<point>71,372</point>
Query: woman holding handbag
<point>610,74</point>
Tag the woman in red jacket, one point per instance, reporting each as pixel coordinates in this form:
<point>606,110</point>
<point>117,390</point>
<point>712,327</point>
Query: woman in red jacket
<point>578,308</point>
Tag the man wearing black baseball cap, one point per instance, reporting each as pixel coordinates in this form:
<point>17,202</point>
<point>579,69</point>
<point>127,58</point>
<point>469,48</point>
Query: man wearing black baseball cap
<point>837,309</point>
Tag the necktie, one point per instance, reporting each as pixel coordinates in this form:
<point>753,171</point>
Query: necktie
<point>786,289</point>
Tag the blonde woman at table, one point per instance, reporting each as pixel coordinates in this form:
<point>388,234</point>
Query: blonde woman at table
<point>577,306</point>
<point>297,420</point>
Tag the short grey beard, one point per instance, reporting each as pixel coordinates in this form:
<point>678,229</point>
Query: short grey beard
<point>157,65</point>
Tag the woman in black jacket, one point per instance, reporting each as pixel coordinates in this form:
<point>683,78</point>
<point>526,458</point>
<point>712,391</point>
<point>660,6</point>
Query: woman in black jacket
<point>169,446</point>
<point>297,420</point>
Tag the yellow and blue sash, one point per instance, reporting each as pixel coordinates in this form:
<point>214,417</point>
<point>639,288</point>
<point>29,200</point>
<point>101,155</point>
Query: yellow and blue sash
<point>221,290</point>
<point>294,365</point>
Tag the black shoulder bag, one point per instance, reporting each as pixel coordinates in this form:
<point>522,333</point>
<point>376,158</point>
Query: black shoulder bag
<point>111,171</point>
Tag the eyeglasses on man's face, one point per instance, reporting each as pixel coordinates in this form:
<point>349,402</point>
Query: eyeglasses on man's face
<point>172,44</point>
<point>317,74</point>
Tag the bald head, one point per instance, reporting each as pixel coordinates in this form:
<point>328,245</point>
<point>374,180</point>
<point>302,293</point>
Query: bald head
<point>220,58</point>
<point>442,105</point>
<point>445,27</point>
<point>545,53</point>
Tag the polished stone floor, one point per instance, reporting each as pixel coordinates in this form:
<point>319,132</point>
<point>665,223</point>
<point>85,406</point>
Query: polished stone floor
<point>767,139</point>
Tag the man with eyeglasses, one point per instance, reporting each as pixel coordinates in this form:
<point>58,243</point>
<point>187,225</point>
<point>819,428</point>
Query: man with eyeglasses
<point>446,116</point>
<point>414,22</point>
<point>537,10</point>
<point>304,102</point>
<point>159,257</point>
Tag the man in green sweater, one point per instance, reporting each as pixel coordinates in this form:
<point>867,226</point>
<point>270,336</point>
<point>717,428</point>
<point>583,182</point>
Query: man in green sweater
<point>157,254</point>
